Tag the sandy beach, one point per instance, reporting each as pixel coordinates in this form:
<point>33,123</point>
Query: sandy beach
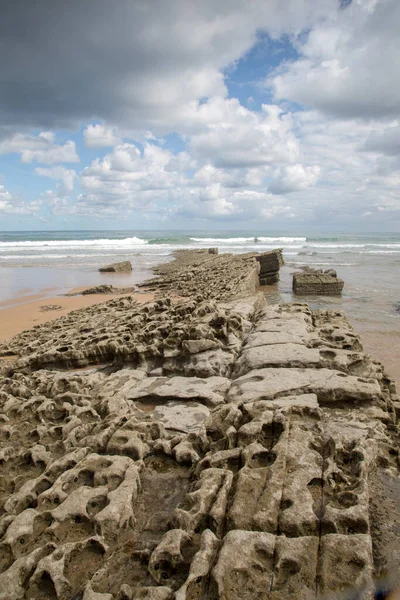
<point>28,310</point>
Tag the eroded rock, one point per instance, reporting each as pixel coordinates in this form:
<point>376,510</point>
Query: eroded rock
<point>224,451</point>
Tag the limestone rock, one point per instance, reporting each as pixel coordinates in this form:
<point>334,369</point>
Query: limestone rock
<point>119,267</point>
<point>270,263</point>
<point>330,386</point>
<point>317,284</point>
<point>209,391</point>
<point>181,416</point>
<point>107,289</point>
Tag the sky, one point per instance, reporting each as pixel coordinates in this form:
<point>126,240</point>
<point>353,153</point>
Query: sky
<point>196,114</point>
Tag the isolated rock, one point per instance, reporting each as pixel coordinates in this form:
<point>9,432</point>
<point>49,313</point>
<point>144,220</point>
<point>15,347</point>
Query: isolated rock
<point>270,263</point>
<point>311,282</point>
<point>119,267</point>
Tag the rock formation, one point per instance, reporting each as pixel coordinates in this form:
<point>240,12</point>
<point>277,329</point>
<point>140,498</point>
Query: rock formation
<point>270,263</point>
<point>197,273</point>
<point>107,289</point>
<point>223,450</point>
<point>213,276</point>
<point>317,283</point>
<point>119,267</point>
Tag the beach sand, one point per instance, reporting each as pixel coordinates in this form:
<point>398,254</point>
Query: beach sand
<point>25,311</point>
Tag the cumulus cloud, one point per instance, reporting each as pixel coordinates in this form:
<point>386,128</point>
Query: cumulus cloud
<point>350,63</point>
<point>216,202</point>
<point>127,178</point>
<point>41,148</point>
<point>67,176</point>
<point>133,63</point>
<point>293,178</point>
<point>100,136</point>
<point>130,75</point>
<point>242,138</point>
<point>12,205</point>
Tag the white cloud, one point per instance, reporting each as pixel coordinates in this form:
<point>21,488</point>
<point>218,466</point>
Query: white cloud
<point>349,64</point>
<point>216,202</point>
<point>294,178</point>
<point>67,176</point>
<point>237,137</point>
<point>126,179</point>
<point>12,205</point>
<point>40,148</point>
<point>100,136</point>
<point>165,73</point>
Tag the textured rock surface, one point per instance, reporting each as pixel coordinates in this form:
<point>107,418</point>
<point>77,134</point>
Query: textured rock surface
<point>317,283</point>
<point>107,289</point>
<point>210,276</point>
<point>261,464</point>
<point>270,263</point>
<point>119,267</point>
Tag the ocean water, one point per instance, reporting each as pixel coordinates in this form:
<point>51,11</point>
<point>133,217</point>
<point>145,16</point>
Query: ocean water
<point>368,263</point>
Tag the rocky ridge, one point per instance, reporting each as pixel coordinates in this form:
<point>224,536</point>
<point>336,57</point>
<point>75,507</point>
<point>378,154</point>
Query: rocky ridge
<point>225,449</point>
<point>205,275</point>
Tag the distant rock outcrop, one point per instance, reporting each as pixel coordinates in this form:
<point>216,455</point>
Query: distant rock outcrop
<point>119,267</point>
<point>318,283</point>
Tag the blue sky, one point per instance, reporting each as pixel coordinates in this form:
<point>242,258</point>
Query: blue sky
<point>183,114</point>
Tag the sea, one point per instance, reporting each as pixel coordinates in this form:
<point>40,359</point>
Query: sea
<point>369,264</point>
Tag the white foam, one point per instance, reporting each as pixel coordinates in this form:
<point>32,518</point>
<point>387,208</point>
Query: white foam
<point>101,243</point>
<point>247,240</point>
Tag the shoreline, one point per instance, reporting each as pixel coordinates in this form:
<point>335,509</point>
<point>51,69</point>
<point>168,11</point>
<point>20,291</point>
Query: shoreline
<point>24,311</point>
<point>22,314</point>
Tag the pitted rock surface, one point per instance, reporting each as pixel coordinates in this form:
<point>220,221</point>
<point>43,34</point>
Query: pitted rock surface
<point>262,466</point>
<point>197,272</point>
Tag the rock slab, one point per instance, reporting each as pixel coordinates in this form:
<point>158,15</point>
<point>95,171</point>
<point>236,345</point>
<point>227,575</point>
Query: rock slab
<point>317,283</point>
<point>270,263</point>
<point>119,267</point>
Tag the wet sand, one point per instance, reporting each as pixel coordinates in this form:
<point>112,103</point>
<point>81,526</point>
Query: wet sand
<point>24,312</point>
<point>384,347</point>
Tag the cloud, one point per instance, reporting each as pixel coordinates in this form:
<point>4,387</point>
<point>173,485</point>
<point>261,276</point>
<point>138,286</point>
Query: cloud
<point>137,64</point>
<point>67,176</point>
<point>100,136</point>
<point>12,205</point>
<point>127,179</point>
<point>237,137</point>
<point>324,146</point>
<point>40,148</point>
<point>216,202</point>
<point>349,65</point>
<point>386,141</point>
<point>294,178</point>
